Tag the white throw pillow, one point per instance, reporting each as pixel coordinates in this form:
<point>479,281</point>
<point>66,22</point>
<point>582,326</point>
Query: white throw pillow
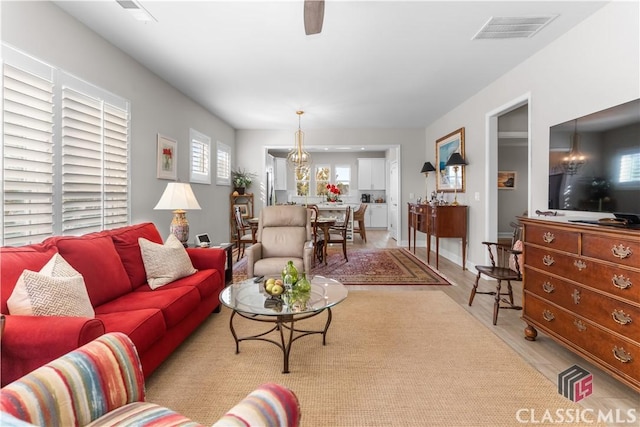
<point>165,263</point>
<point>57,290</point>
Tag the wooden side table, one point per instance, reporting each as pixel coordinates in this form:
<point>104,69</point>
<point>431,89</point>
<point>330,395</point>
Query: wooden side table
<point>228,267</point>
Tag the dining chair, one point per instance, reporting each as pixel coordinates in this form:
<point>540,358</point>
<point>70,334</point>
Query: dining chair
<point>315,213</point>
<point>506,261</point>
<point>358,217</point>
<point>339,233</point>
<point>244,235</point>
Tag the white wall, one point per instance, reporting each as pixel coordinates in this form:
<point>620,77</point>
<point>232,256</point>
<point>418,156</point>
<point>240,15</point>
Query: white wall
<point>44,31</point>
<point>594,66</point>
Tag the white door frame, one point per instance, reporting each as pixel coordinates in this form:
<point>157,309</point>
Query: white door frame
<point>491,154</point>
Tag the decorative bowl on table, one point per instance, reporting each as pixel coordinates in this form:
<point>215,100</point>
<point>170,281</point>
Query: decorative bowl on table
<point>273,287</point>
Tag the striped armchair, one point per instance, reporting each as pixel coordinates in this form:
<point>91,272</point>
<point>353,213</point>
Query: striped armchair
<point>102,383</point>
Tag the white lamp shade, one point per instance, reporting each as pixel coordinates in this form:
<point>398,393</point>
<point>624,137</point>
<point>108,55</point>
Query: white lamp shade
<point>176,196</point>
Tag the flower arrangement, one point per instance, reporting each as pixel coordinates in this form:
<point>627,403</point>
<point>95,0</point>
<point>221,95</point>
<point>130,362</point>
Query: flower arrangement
<point>333,193</point>
<point>166,156</point>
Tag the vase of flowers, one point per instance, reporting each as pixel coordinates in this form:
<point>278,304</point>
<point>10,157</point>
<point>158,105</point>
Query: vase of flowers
<point>333,193</point>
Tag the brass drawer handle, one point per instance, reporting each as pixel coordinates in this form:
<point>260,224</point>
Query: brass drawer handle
<point>580,325</point>
<point>621,252</point>
<point>579,264</point>
<point>621,282</point>
<point>621,355</point>
<point>548,316</point>
<point>548,237</point>
<point>576,296</point>
<point>548,260</point>
<point>548,287</point>
<point>621,317</point>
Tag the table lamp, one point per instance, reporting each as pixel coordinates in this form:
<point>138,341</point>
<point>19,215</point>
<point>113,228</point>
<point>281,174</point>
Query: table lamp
<point>456,161</point>
<point>426,168</point>
<point>178,197</point>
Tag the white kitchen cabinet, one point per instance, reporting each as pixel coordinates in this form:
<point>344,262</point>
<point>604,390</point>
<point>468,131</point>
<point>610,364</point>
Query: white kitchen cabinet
<point>280,173</point>
<point>371,174</point>
<point>376,216</point>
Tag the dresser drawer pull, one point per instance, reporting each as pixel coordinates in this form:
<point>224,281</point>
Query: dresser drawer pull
<point>548,287</point>
<point>548,260</point>
<point>576,296</point>
<point>581,326</point>
<point>621,282</point>
<point>621,252</point>
<point>548,237</point>
<point>548,316</point>
<point>621,355</point>
<point>621,317</point>
<point>579,264</point>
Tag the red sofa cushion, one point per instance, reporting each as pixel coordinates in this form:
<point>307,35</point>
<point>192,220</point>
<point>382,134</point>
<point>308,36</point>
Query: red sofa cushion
<point>207,282</point>
<point>95,257</point>
<point>125,240</point>
<point>13,261</point>
<point>176,303</point>
<point>144,327</point>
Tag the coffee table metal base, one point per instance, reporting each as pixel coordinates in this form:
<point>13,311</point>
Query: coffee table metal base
<point>285,325</point>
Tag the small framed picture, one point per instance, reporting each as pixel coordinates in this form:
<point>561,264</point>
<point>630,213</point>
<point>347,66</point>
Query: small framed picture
<point>244,209</point>
<point>506,180</point>
<point>167,162</point>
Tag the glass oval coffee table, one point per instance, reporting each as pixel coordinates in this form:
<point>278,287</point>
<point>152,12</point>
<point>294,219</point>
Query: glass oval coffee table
<point>249,300</point>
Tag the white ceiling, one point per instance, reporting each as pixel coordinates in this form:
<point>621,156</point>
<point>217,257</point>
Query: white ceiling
<point>376,64</point>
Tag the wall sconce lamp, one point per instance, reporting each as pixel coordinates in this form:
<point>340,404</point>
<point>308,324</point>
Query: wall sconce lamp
<point>456,161</point>
<point>426,168</point>
<point>178,197</point>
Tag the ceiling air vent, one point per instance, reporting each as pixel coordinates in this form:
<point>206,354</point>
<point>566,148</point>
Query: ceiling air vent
<point>512,27</point>
<point>136,10</point>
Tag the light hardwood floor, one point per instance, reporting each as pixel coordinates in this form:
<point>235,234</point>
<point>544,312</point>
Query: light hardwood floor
<point>544,354</point>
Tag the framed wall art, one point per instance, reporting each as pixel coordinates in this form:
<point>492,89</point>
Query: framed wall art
<point>447,180</point>
<point>506,180</point>
<point>167,162</point>
<point>244,209</point>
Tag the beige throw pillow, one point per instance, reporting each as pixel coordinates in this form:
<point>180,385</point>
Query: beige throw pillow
<point>57,290</point>
<point>165,263</point>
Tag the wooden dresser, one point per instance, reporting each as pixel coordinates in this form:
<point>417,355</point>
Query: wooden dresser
<point>582,288</point>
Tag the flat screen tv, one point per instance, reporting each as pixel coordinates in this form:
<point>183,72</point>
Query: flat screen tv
<point>604,175</point>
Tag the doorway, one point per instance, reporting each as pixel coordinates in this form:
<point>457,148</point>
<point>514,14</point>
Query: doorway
<point>509,152</point>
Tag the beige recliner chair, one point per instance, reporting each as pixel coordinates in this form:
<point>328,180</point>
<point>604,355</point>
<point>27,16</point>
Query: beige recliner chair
<point>284,233</point>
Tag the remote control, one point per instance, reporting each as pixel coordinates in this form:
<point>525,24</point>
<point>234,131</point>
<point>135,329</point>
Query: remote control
<point>258,279</point>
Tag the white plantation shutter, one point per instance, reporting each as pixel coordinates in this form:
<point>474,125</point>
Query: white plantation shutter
<point>629,168</point>
<point>27,156</point>
<point>223,164</point>
<point>65,147</point>
<point>200,157</point>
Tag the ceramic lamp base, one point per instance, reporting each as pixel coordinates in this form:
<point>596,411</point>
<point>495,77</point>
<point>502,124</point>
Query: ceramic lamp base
<point>180,226</point>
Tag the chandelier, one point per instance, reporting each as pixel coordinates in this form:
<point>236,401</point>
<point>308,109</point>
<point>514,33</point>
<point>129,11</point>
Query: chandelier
<point>572,162</point>
<point>298,157</point>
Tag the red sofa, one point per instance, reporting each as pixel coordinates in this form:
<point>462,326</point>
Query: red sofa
<point>157,321</point>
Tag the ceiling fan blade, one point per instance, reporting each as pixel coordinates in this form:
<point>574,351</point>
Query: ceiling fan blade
<point>313,16</point>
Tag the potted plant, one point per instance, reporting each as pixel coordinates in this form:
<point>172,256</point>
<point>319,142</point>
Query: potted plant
<point>241,180</point>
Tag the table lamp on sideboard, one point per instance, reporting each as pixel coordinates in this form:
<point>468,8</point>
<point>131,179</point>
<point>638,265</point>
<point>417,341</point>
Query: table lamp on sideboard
<point>179,198</point>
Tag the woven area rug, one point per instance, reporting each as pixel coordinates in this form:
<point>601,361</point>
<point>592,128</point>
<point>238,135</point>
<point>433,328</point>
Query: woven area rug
<point>368,267</point>
<point>392,358</point>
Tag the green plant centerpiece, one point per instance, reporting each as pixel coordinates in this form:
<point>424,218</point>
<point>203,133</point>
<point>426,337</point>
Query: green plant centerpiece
<point>241,179</point>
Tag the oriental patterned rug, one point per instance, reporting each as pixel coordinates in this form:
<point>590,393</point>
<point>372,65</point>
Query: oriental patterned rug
<point>393,266</point>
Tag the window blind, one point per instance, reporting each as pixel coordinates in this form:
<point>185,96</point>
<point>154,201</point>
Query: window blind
<point>200,155</point>
<point>28,156</point>
<point>223,164</point>
<point>65,149</point>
